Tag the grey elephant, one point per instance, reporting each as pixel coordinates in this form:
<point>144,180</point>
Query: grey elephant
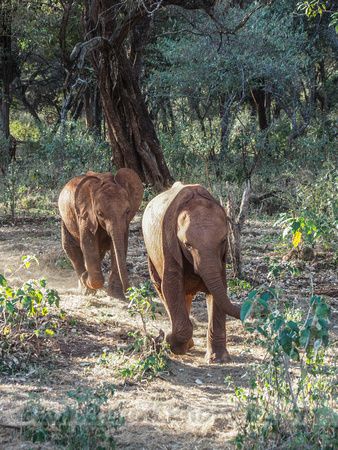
<point>96,210</point>
<point>185,231</point>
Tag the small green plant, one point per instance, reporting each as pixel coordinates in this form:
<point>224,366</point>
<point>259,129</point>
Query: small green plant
<point>25,311</point>
<point>237,285</point>
<point>290,399</point>
<point>29,303</point>
<point>153,360</point>
<point>82,424</point>
<point>149,354</point>
<point>140,298</point>
<point>277,269</point>
<point>303,230</point>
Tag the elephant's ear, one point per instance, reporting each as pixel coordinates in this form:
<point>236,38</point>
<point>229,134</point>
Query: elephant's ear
<point>106,177</point>
<point>129,179</point>
<point>183,195</point>
<point>84,201</point>
<point>206,194</point>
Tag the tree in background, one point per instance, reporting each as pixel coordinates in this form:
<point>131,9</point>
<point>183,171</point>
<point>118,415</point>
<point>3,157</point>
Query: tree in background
<point>254,93</point>
<point>7,64</point>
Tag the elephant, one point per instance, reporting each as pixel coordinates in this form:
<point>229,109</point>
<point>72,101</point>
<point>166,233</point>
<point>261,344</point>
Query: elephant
<point>186,236</point>
<point>96,210</point>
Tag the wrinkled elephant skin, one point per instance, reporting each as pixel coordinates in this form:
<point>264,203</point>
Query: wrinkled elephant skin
<point>96,210</point>
<point>185,232</point>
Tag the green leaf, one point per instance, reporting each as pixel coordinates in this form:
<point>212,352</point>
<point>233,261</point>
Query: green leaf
<point>10,308</point>
<point>293,326</point>
<point>263,332</point>
<point>285,341</point>
<point>3,281</point>
<point>294,354</point>
<point>252,294</point>
<point>322,311</point>
<point>279,322</point>
<point>313,299</point>
<point>246,310</point>
<point>273,292</point>
<point>262,302</point>
<point>295,226</point>
<point>266,296</point>
<point>323,324</point>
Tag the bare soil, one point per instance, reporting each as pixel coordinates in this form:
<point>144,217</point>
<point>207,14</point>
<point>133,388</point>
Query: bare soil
<point>171,411</point>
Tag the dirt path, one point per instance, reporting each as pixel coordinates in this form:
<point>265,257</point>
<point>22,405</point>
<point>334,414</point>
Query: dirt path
<point>190,407</point>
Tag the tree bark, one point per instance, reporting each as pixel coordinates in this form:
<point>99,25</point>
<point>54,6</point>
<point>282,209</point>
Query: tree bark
<point>93,109</point>
<point>131,132</point>
<point>124,28</point>
<point>259,95</point>
<point>235,228</point>
<point>6,63</point>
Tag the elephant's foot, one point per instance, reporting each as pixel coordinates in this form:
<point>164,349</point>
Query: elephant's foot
<point>116,292</point>
<point>84,290</point>
<point>179,348</point>
<point>93,284</point>
<point>217,355</point>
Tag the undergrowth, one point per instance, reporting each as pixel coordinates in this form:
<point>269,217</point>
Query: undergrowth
<point>148,355</point>
<point>87,423</point>
<point>291,399</point>
<point>26,314</point>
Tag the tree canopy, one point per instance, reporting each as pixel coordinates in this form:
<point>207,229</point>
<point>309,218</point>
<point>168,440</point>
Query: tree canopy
<point>238,81</point>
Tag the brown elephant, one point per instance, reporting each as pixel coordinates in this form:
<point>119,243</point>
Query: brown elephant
<point>185,232</point>
<point>96,210</point>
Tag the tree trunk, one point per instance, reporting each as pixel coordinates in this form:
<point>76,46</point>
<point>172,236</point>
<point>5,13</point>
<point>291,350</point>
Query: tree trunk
<point>93,110</point>
<point>6,63</point>
<point>259,95</point>
<point>131,132</point>
<point>235,228</point>
<point>116,33</point>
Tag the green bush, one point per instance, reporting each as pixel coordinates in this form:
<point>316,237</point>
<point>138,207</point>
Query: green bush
<point>314,215</point>
<point>27,303</point>
<point>292,393</point>
<point>24,312</point>
<point>53,160</point>
<point>150,353</point>
<point>82,425</point>
<point>45,163</point>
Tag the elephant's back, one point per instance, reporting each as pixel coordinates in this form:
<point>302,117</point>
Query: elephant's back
<point>152,224</point>
<point>155,211</point>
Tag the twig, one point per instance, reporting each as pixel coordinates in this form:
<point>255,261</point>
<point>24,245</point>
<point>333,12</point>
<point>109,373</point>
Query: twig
<point>13,427</point>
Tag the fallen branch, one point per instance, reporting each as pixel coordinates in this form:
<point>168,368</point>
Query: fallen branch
<point>259,199</point>
<point>13,427</point>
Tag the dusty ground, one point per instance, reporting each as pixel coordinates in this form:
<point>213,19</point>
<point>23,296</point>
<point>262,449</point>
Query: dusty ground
<point>171,411</point>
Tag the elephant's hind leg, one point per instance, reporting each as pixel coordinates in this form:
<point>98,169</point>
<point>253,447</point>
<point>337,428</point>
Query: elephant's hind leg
<point>155,278</point>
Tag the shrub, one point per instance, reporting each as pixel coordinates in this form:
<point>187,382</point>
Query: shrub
<point>147,355</point>
<point>82,424</point>
<point>25,312</point>
<point>314,215</point>
<point>291,395</point>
